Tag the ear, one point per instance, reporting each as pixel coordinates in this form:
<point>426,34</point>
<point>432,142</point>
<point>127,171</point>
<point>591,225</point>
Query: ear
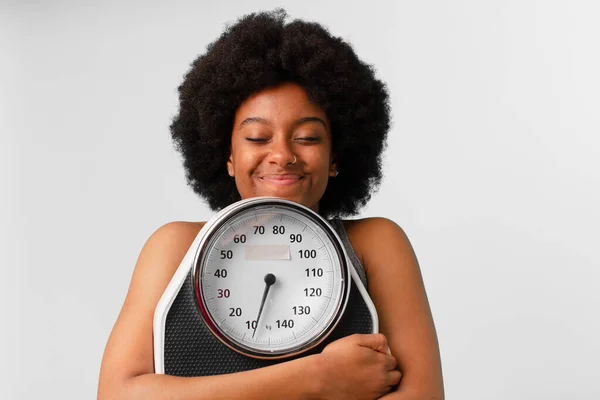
<point>230,168</point>
<point>333,165</point>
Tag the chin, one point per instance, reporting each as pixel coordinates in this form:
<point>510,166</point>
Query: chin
<point>285,195</point>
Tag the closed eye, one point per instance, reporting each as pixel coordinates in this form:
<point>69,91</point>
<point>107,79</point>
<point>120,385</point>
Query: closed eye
<point>309,139</point>
<point>257,140</point>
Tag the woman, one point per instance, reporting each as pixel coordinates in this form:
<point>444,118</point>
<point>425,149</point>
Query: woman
<point>285,110</point>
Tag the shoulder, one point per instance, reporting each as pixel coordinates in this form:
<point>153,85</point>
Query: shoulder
<point>371,225</point>
<point>177,231</point>
<point>375,238</point>
<point>173,236</point>
<point>373,230</point>
<point>167,245</point>
<point>158,260</point>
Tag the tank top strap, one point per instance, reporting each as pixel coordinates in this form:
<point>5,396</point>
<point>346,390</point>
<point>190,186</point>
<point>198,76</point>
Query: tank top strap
<point>338,225</point>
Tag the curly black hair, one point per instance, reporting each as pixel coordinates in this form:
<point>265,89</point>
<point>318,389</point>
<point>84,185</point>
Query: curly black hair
<point>260,51</point>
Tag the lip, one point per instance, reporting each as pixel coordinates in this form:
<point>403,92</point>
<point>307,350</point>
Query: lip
<point>281,179</point>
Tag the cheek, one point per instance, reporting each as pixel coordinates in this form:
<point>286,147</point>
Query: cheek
<point>246,161</point>
<point>320,161</point>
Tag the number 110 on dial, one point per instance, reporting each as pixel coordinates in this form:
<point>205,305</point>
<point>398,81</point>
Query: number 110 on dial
<point>271,284</point>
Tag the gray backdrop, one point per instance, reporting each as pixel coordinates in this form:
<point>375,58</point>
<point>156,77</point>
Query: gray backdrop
<point>492,170</point>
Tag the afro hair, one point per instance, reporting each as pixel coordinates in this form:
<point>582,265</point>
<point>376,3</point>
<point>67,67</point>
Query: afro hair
<point>260,51</point>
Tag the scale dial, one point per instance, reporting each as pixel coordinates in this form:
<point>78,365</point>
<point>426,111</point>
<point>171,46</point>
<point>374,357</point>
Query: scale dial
<point>271,279</point>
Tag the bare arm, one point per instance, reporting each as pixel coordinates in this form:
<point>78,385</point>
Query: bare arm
<point>127,370</point>
<point>356,366</point>
<point>396,287</point>
<point>289,381</point>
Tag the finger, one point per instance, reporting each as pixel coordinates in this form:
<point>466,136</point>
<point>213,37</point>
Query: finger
<point>393,377</point>
<point>375,341</point>
<point>390,363</point>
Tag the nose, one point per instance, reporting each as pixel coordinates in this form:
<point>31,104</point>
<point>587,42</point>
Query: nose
<point>281,152</point>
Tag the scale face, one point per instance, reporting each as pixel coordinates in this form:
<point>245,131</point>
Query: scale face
<point>271,279</point>
<point>266,279</point>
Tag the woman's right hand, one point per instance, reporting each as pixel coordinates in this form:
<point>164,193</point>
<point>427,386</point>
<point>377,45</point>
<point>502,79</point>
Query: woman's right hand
<point>357,367</point>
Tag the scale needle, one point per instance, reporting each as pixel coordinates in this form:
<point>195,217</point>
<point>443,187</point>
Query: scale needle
<point>269,280</point>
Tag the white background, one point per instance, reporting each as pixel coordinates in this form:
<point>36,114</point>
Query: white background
<point>492,169</point>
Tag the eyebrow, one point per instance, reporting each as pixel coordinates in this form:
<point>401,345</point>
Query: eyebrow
<point>298,122</point>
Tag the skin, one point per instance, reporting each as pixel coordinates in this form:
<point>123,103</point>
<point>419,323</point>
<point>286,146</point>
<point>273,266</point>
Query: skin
<point>281,146</point>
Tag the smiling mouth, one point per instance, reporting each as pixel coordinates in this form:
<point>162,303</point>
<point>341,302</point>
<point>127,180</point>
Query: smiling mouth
<point>281,180</point>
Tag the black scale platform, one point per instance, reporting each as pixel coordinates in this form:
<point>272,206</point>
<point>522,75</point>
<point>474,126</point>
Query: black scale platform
<point>192,350</point>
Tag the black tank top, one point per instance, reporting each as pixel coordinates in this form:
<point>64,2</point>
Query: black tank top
<point>338,225</point>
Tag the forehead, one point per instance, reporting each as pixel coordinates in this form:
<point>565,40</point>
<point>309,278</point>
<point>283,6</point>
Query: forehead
<point>286,102</point>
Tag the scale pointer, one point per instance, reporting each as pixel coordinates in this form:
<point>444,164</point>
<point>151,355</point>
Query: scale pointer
<point>269,280</point>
